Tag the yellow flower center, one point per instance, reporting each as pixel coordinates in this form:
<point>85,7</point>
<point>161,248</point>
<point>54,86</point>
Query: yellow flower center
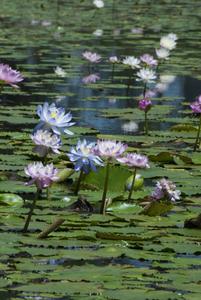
<point>54,115</point>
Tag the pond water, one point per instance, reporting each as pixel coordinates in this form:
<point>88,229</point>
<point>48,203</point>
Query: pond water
<point>124,254</point>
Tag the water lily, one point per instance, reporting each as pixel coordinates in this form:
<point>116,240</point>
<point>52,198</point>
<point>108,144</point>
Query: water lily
<point>166,190</point>
<point>148,60</point>
<point>130,127</point>
<point>196,109</point>
<point>134,161</point>
<point>84,159</point>
<point>163,53</point>
<point>113,59</point>
<point>132,62</point>
<point>92,57</point>
<point>108,150</point>
<point>53,117</point>
<point>9,76</point>
<point>60,72</point>
<point>98,3</point>
<point>92,78</point>
<point>42,176</point>
<point>145,105</point>
<point>98,32</point>
<point>146,75</point>
<point>168,42</point>
<point>46,141</point>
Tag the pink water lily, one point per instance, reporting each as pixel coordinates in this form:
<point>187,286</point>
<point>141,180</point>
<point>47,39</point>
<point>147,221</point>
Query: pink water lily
<point>9,76</point>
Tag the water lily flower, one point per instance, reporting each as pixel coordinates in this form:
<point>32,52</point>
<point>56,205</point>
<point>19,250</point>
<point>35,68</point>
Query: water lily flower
<point>92,78</point>
<point>52,117</point>
<point>42,176</point>
<point>109,149</point>
<point>146,75</point>
<point>134,161</point>
<point>98,32</point>
<point>163,53</point>
<point>92,57</point>
<point>130,127</point>
<point>132,62</point>
<point>173,36</point>
<point>113,59</point>
<point>168,42</point>
<point>145,104</point>
<point>83,157</point>
<point>60,72</point>
<point>9,76</point>
<point>98,3</point>
<point>166,189</point>
<point>149,60</point>
<point>45,142</point>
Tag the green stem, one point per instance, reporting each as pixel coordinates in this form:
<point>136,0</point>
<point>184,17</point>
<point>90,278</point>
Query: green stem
<point>26,225</point>
<point>145,123</point>
<point>132,185</point>
<point>112,72</point>
<point>129,83</point>
<point>48,193</point>
<point>103,201</point>
<point>145,89</point>
<point>78,183</point>
<point>198,136</point>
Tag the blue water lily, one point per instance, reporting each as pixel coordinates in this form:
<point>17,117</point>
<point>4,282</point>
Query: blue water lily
<point>55,118</point>
<point>83,157</point>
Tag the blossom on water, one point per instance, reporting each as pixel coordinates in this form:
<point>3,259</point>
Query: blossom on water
<point>92,57</point>
<point>92,78</point>
<point>146,75</point>
<point>98,32</point>
<point>145,104</point>
<point>9,76</point>
<point>196,106</point>
<point>135,160</point>
<point>166,189</point>
<point>109,149</point>
<point>60,72</point>
<point>42,176</point>
<point>162,53</point>
<point>46,141</point>
<point>83,157</point>
<point>53,117</point>
<point>113,59</point>
<point>149,60</point>
<point>132,62</point>
<point>98,3</point>
<point>168,42</point>
<point>130,127</point>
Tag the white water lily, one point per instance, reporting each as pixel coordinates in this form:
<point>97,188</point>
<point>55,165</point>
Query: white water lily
<point>98,32</point>
<point>98,3</point>
<point>168,42</point>
<point>60,72</point>
<point>132,62</point>
<point>163,53</point>
<point>146,75</point>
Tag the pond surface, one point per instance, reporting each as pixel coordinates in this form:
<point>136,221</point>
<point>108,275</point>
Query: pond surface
<point>123,255</point>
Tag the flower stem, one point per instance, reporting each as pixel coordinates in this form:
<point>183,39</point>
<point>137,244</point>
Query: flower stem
<point>129,83</point>
<point>145,123</point>
<point>198,136</point>
<point>48,193</point>
<point>113,72</point>
<point>26,225</point>
<point>145,89</point>
<point>78,183</point>
<point>132,185</point>
<point>103,203</point>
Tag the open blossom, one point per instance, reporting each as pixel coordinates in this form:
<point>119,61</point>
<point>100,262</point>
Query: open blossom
<point>196,106</point>
<point>46,141</point>
<point>149,60</point>
<point>83,157</point>
<point>145,104</point>
<point>166,189</point>
<point>130,127</point>
<point>162,53</point>
<point>168,42</point>
<point>92,57</point>
<point>109,149</point>
<point>135,160</point>
<point>132,62</point>
<point>146,75</point>
<point>92,78</point>
<point>60,72</point>
<point>98,32</point>
<point>113,59</point>
<point>42,176</point>
<point>52,117</point>
<point>98,3</point>
<point>9,76</point>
